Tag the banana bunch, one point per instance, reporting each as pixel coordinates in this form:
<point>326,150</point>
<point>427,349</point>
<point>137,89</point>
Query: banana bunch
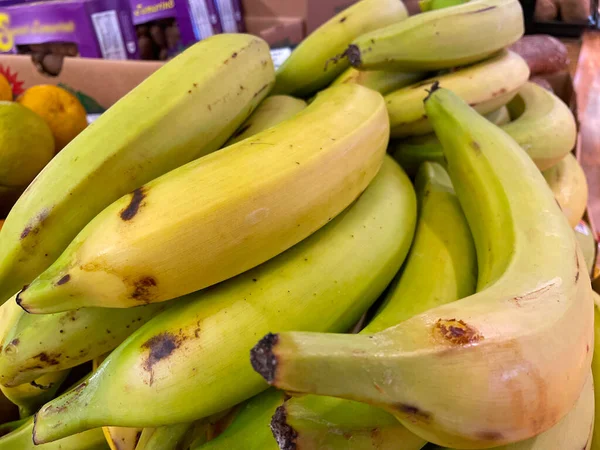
<point>230,259</point>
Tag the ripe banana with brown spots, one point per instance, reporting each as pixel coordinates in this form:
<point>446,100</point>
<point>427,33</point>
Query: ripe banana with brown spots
<point>186,109</point>
<point>145,247</point>
<point>497,367</point>
<point>486,86</point>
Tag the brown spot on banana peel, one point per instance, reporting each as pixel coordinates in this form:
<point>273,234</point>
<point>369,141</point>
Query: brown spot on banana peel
<point>263,358</point>
<point>491,436</point>
<point>283,433</point>
<point>413,413</point>
<point>49,360</point>
<point>137,197</point>
<point>499,92</point>
<point>489,8</point>
<point>353,55</point>
<point>34,225</point>
<point>41,386</point>
<point>143,289</point>
<point>533,295</point>
<point>343,19</point>
<point>257,93</point>
<point>161,347</point>
<point>63,280</point>
<point>457,332</point>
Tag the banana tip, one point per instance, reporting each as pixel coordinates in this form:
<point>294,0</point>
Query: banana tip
<point>434,87</point>
<point>353,55</point>
<point>19,299</point>
<point>263,359</point>
<point>284,434</point>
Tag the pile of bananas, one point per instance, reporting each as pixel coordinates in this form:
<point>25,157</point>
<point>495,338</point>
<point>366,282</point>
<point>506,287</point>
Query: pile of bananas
<point>395,242</point>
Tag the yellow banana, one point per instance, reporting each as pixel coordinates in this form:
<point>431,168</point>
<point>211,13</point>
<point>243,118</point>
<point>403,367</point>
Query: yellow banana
<point>192,359</point>
<point>490,369</point>
<point>379,80</point>
<point>569,185</point>
<point>29,397</point>
<point>272,111</point>
<point>486,86</point>
<point>144,247</point>
<point>541,124</point>
<point>183,111</point>
<point>318,59</point>
<point>21,439</point>
<point>585,237</point>
<point>440,39</point>
<point>573,432</point>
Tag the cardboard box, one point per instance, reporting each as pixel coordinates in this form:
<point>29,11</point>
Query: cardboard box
<point>99,28</point>
<point>320,11</point>
<point>144,11</point>
<point>275,8</point>
<point>277,31</point>
<point>99,83</point>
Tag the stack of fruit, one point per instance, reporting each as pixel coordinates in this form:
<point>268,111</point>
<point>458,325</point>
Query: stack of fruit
<point>210,235</point>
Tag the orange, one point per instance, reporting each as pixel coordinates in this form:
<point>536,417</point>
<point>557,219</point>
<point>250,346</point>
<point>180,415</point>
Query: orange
<point>61,110</point>
<point>6,94</point>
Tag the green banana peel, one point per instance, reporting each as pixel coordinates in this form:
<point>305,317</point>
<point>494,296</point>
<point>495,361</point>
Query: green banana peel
<point>587,243</point>
<point>29,397</point>
<point>381,81</point>
<point>192,358</point>
<point>163,438</point>
<point>250,427</point>
<point>442,245</point>
<point>21,439</point>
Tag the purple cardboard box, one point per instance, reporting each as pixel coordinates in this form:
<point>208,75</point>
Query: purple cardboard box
<point>143,11</point>
<point>197,20</point>
<point>230,13</point>
<point>100,28</point>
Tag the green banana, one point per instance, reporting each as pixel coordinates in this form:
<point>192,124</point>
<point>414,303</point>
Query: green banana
<point>587,243</point>
<point>318,60</point>
<point>486,86</point>
<point>9,427</point>
<point>497,371</point>
<point>499,117</point>
<point>163,438</point>
<point>379,80</point>
<point>21,439</point>
<point>272,111</point>
<point>569,185</point>
<point>144,247</point>
<point>432,5</point>
<point>250,427</point>
<point>29,397</point>
<point>35,345</point>
<point>442,245</point>
<point>186,109</point>
<point>573,432</point>
<point>541,124</point>
<point>441,39</point>
<point>192,359</point>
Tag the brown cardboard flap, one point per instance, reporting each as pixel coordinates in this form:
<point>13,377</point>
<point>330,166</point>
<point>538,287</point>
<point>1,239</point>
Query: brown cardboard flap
<point>277,31</point>
<point>275,8</point>
<point>106,81</point>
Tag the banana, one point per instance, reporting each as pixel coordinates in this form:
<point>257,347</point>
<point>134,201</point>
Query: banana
<point>441,39</point>
<point>9,427</point>
<point>573,432</point>
<point>118,438</point>
<point>20,439</point>
<point>163,438</point>
<point>432,5</point>
<point>379,80</point>
<point>35,345</point>
<point>442,245</point>
<point>569,185</point>
<point>587,243</point>
<point>318,60</point>
<point>541,124</point>
<point>192,359</point>
<point>29,397</point>
<point>486,86</point>
<point>144,247</point>
<point>498,370</point>
<point>596,371</point>
<point>186,109</point>
<point>499,117</point>
<point>272,111</point>
<point>250,427</point>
